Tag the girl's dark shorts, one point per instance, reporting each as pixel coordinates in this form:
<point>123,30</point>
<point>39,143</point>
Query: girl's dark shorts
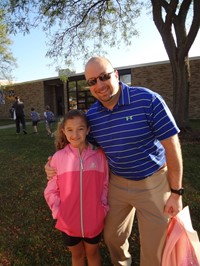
<point>72,240</point>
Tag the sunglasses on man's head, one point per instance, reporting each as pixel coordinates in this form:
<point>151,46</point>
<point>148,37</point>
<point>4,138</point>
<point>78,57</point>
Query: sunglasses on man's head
<point>102,77</point>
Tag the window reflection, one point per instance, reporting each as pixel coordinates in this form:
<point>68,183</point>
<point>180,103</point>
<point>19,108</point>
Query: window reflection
<point>126,79</point>
<point>79,95</point>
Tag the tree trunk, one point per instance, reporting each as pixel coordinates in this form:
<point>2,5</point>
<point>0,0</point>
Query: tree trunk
<point>181,89</point>
<point>169,15</point>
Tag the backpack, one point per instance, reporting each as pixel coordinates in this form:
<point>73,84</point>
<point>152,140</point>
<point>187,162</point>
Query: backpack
<point>35,116</point>
<point>50,117</point>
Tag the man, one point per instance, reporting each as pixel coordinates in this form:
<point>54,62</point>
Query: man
<point>18,107</point>
<point>140,138</point>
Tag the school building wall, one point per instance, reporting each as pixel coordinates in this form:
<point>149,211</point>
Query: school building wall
<point>31,93</point>
<point>156,76</point>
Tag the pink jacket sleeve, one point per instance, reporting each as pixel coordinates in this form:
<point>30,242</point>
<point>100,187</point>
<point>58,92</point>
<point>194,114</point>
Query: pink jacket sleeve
<point>52,196</point>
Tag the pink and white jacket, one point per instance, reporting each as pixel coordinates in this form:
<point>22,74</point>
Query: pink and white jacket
<point>77,195</point>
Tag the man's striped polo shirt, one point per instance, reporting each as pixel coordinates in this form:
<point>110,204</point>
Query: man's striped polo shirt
<point>130,134</point>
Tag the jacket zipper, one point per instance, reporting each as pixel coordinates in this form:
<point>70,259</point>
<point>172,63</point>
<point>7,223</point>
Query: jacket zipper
<point>81,196</point>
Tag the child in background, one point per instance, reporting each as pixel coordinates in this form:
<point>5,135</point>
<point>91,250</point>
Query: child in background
<point>35,117</point>
<point>77,195</point>
<point>49,119</point>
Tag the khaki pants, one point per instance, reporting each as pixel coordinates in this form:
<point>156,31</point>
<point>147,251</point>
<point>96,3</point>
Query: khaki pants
<point>147,198</point>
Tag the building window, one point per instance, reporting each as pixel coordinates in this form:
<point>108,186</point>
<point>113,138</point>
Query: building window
<point>126,79</point>
<point>11,93</point>
<point>79,95</point>
<point>72,95</point>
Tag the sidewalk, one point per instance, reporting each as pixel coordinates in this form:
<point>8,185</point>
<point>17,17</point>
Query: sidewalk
<point>13,125</point>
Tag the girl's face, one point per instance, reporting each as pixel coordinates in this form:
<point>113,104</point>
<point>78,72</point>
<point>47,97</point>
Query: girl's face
<point>75,131</point>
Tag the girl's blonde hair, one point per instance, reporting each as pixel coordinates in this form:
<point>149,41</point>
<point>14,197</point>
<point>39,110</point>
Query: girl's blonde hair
<point>60,138</point>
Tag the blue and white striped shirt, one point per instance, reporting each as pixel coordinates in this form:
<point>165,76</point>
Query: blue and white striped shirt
<point>130,134</point>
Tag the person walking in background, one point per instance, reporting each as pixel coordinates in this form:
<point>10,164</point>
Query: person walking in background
<point>19,115</point>
<point>35,117</point>
<point>77,194</point>
<point>49,120</point>
<point>139,136</point>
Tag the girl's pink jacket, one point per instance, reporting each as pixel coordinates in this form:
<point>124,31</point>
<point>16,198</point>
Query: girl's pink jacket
<point>77,195</point>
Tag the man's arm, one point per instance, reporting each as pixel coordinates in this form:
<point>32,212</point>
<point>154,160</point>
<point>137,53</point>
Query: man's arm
<point>52,196</point>
<point>175,173</point>
<point>50,171</point>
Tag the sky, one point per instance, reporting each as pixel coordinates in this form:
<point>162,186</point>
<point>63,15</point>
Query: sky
<point>30,50</point>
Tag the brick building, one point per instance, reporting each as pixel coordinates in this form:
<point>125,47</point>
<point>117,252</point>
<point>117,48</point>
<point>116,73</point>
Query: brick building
<point>75,93</point>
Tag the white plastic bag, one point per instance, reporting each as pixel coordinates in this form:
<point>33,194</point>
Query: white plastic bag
<point>14,115</point>
<point>182,247</point>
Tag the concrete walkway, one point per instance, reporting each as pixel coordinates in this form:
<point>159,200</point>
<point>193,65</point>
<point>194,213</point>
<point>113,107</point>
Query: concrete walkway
<point>13,125</point>
<point>7,126</point>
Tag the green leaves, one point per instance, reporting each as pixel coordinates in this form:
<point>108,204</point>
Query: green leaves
<point>78,28</point>
<point>7,61</point>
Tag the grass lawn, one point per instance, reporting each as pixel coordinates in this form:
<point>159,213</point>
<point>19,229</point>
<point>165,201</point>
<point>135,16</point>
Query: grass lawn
<point>28,237</point>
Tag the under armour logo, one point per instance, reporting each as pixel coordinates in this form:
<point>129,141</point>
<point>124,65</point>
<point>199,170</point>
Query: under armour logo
<point>129,118</point>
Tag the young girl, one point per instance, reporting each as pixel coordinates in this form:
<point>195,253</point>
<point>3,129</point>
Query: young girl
<point>77,195</point>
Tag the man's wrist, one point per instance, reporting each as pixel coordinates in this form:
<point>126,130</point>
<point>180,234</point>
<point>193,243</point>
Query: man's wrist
<point>179,192</point>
